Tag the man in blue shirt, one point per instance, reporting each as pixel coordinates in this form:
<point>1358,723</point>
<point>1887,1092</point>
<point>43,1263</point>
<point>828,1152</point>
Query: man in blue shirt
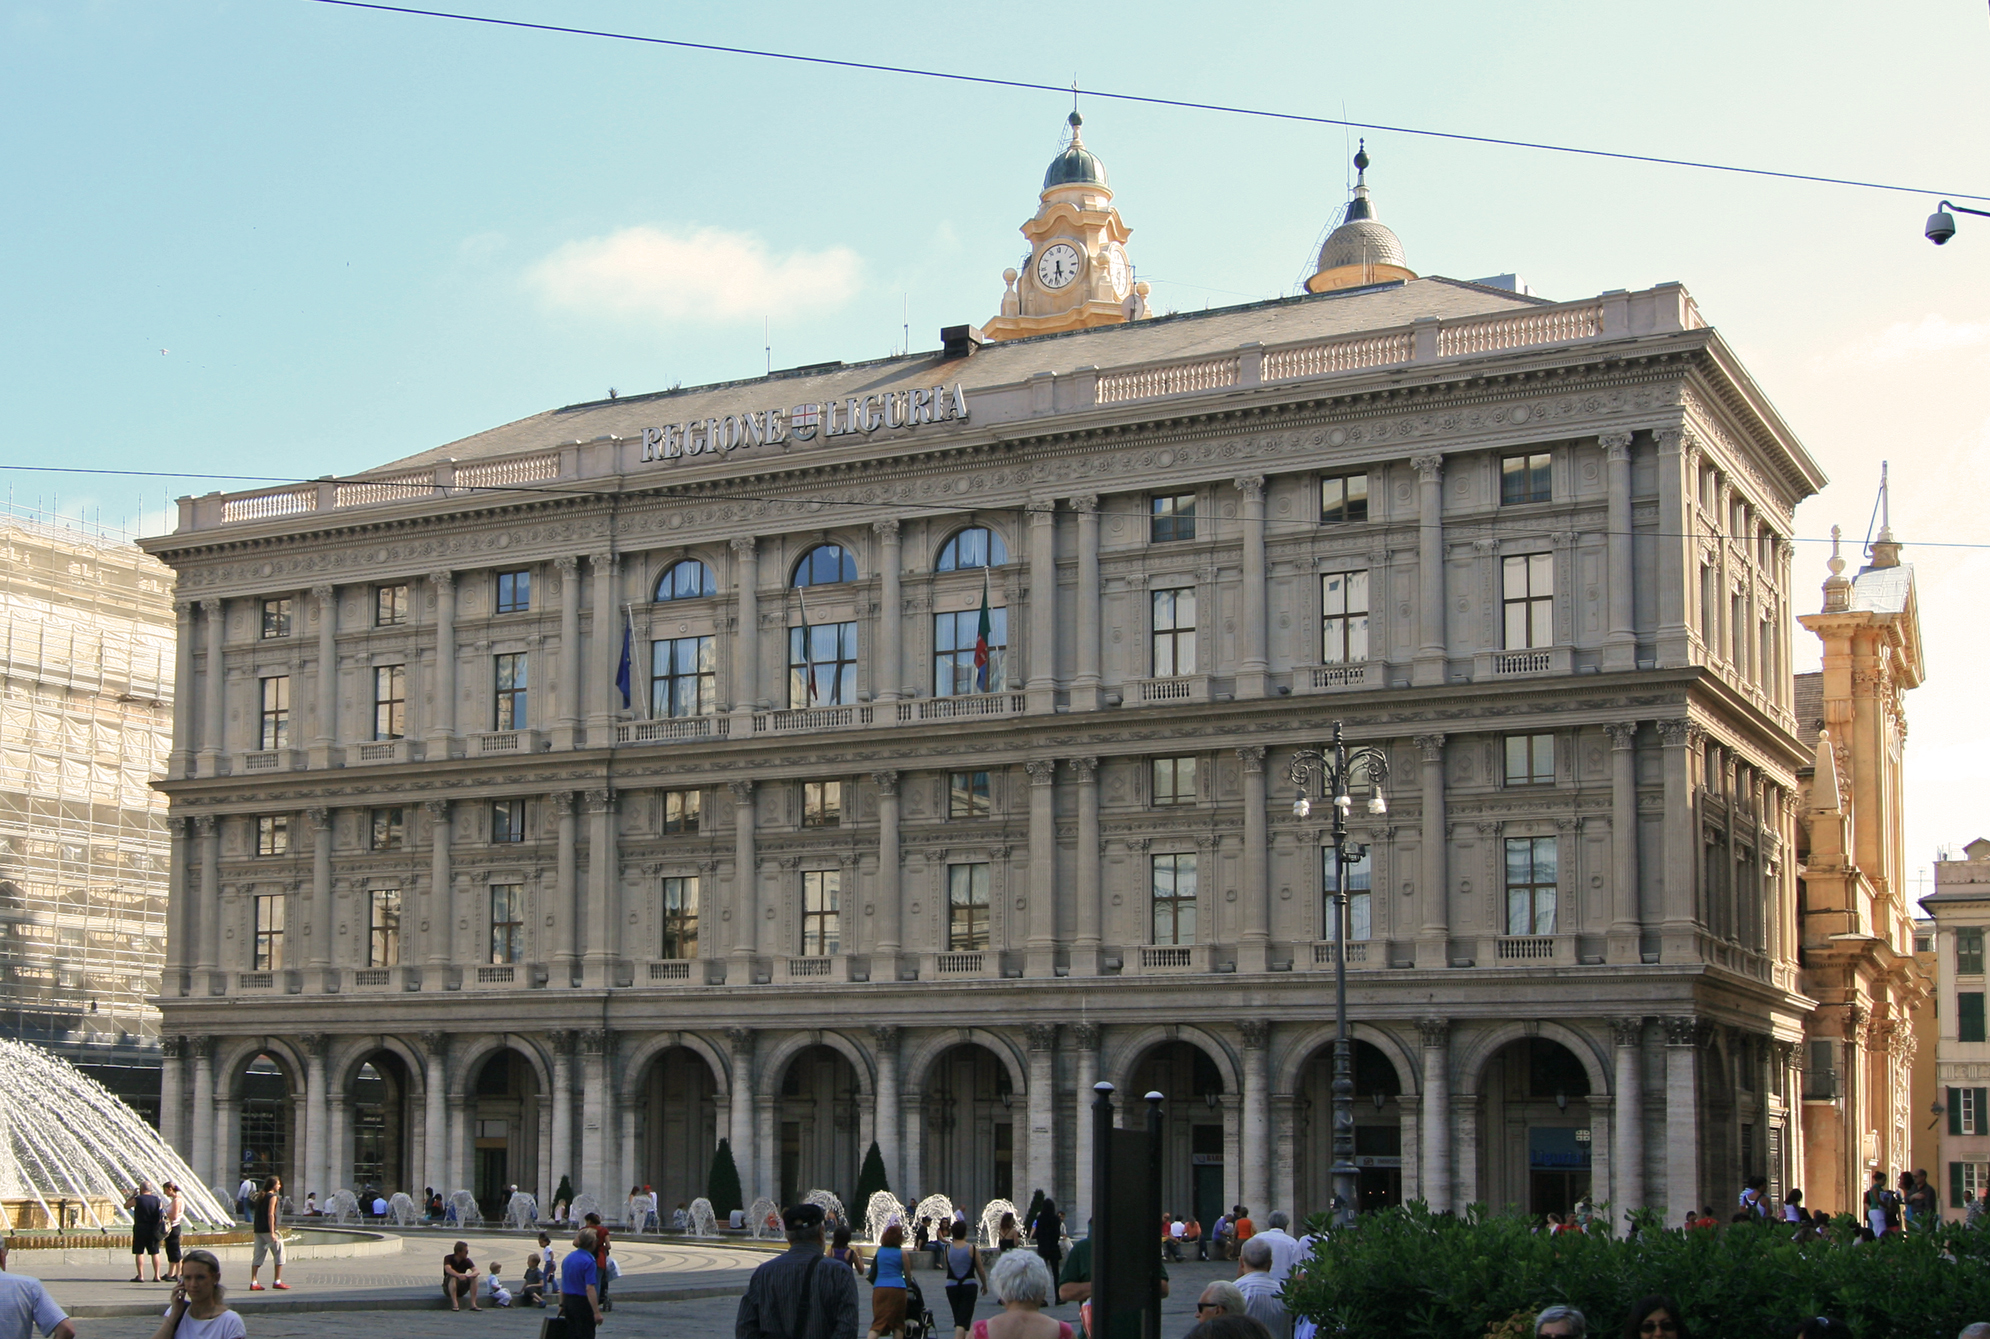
<point>580,1296</point>
<point>25,1307</point>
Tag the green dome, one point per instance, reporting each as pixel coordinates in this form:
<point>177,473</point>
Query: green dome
<point>1076,166</point>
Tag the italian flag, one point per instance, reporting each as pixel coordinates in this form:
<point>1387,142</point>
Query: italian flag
<point>982,630</point>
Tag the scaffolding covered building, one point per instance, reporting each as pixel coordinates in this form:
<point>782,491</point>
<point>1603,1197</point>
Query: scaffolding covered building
<point>85,727</point>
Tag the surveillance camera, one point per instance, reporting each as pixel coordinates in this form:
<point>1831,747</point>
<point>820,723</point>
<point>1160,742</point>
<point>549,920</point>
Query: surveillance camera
<point>1941,226</point>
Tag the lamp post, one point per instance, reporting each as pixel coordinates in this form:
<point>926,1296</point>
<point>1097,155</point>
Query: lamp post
<point>1941,223</point>
<point>1333,768</point>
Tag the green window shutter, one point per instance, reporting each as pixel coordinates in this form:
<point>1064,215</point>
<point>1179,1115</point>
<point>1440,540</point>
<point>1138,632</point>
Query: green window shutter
<point>1969,1016</point>
<point>1955,1116</point>
<point>1982,1112</point>
<point>1955,1180</point>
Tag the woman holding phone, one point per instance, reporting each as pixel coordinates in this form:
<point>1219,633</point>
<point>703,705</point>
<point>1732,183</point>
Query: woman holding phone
<point>200,1309</point>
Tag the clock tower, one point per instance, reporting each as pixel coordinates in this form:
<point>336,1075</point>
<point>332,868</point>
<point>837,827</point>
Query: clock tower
<point>1077,275</point>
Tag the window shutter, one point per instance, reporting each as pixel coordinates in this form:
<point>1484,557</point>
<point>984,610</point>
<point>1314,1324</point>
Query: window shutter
<point>1955,1117</point>
<point>1982,1112</point>
<point>1955,1180</point>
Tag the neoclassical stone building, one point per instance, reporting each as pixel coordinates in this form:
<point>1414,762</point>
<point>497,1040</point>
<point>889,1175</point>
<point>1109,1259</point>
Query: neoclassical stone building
<point>448,912</point>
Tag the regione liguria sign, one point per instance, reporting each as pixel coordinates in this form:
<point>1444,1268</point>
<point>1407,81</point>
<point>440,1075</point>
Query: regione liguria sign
<point>859,415</point>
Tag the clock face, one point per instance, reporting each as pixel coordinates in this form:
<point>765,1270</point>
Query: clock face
<point>1116,269</point>
<point>1057,265</point>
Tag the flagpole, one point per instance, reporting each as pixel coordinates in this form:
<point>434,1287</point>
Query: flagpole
<point>629,612</point>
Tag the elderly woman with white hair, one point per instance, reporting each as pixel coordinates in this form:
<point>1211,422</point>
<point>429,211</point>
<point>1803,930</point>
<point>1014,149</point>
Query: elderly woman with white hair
<point>1021,1282</point>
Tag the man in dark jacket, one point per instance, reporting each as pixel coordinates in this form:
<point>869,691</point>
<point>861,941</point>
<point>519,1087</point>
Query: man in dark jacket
<point>798,1295</point>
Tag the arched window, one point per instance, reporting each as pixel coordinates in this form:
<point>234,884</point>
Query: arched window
<point>825,565</point>
<point>686,580</point>
<point>972,548</point>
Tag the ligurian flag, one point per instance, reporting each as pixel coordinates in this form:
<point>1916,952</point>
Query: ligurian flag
<point>982,631</point>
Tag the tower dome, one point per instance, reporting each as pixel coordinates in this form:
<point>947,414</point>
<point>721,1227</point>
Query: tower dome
<point>1077,165</point>
<point>1363,249</point>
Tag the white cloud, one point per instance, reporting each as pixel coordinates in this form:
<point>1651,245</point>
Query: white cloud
<point>1932,334</point>
<point>706,274</point>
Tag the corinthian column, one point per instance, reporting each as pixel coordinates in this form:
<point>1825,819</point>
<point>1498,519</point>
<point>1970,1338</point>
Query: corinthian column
<point>1436,1125</point>
<point>1626,928</point>
<point>1679,940</point>
<point>1253,668</point>
<point>1256,1130</point>
<point>607,649</point>
<point>440,949</point>
<point>1430,664</point>
<point>566,723</point>
<point>745,906</point>
<point>1254,941</point>
<point>1084,1044</point>
<point>1042,1107</point>
<point>739,1107</point>
<point>1041,686</point>
<point>181,764</point>
<point>1085,683</point>
<point>1085,947</point>
<point>746,638</point>
<point>1040,956</point>
<point>214,728</point>
<point>884,1038</point>
<point>1620,644</point>
<point>172,1094</point>
<point>1682,1123</point>
<point>884,962</point>
<point>316,1143</point>
<point>435,1110</point>
<point>320,948</point>
<point>594,1134</point>
<point>442,725</point>
<point>890,682</point>
<point>566,896</point>
<point>326,740</point>
<point>1628,1157</point>
<point>203,1155</point>
<point>604,889</point>
<point>562,1155</point>
<point>210,904</point>
<point>1433,948</point>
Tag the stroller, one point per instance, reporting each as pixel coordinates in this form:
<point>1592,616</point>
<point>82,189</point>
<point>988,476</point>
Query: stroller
<point>918,1320</point>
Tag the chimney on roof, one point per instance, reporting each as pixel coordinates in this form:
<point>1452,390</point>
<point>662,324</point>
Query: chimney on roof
<point>960,341</point>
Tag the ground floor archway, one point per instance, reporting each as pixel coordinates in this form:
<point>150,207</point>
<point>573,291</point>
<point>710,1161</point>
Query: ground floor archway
<point>503,1113</point>
<point>968,1143</point>
<point>678,1110</point>
<point>1378,1130</point>
<point>269,1124</point>
<point>816,1124</point>
<point>1194,1115</point>
<point>1534,1127</point>
<point>384,1116</point>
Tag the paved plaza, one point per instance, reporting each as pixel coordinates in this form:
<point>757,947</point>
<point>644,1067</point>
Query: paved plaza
<point>667,1291</point>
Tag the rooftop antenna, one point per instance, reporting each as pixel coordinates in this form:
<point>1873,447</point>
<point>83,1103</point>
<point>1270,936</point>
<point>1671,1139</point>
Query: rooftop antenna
<point>905,314</point>
<point>1881,513</point>
<point>767,329</point>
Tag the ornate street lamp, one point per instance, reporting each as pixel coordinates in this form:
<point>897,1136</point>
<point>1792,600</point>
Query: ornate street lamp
<point>1334,769</point>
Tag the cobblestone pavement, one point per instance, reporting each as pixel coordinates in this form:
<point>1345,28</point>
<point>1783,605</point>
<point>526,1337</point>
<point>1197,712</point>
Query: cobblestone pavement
<point>698,1318</point>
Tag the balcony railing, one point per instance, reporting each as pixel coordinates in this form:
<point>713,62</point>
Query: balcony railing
<point>677,969</point>
<point>955,708</point>
<point>497,976</point>
<point>960,964</point>
<point>256,981</point>
<point>1183,688</point>
<point>1166,957</point>
<point>1323,953</point>
<point>676,727</point>
<point>1337,678</point>
<point>1538,660</point>
<point>1205,374</point>
<point>373,978</point>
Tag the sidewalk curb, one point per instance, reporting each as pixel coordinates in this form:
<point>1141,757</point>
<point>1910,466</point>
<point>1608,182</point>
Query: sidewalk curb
<point>424,1301</point>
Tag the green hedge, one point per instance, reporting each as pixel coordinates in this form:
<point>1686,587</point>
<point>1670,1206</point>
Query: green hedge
<point>1412,1274</point>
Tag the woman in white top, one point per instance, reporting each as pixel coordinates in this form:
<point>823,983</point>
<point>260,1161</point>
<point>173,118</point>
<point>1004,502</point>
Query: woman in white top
<point>199,1309</point>
<point>175,1217</point>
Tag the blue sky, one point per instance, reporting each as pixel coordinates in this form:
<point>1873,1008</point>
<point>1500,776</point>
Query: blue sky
<point>357,235</point>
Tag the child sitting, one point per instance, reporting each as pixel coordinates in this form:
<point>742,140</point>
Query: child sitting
<point>534,1292</point>
<point>499,1293</point>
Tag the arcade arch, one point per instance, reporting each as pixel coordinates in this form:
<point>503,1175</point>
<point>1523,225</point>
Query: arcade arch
<point>1534,1109</point>
<point>967,1107</point>
<point>502,1108</point>
<point>817,1114</point>
<point>1198,1125</point>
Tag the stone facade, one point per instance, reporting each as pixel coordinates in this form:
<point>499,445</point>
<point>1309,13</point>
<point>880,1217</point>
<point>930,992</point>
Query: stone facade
<point>1960,906</point>
<point>1087,868</point>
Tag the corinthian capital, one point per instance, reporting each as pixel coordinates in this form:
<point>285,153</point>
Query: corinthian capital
<point>1430,746</point>
<point>1616,445</point>
<point>1429,467</point>
<point>1251,486</point>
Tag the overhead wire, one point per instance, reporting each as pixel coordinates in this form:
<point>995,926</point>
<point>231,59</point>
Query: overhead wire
<point>991,81</point>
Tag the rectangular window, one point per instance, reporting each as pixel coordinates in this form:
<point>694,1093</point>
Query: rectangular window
<point>1344,499</point>
<point>276,712</point>
<point>1173,517</point>
<point>1710,633</point>
<point>390,701</point>
<point>1530,885</point>
<point>678,917</point>
<point>684,677</point>
<point>1969,1015</point>
<point>822,913</point>
<point>507,820</point>
<point>681,809</point>
<point>1967,1180</point>
<point>390,829</point>
<point>1360,894</point>
<point>276,617</point>
<point>390,606</point>
<point>514,592</point>
<point>822,665</point>
<point>507,922</point>
<point>1528,599</point>
<point>1966,1111</point>
<point>1174,781</point>
<point>1820,1071</point>
<point>1343,618</point>
<point>967,908</point>
<point>1738,628</point>
<point>513,681</point>
<point>273,834</point>
<point>822,804</point>
<point>1530,760</point>
<point>967,795</point>
<point>1526,478</point>
<point>1969,950</point>
<point>1174,899</point>
<point>1174,632</point>
<point>959,667</point>
<point>269,933</point>
<point>383,939</point>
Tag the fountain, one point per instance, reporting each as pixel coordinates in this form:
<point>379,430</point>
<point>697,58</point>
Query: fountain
<point>582,1206</point>
<point>521,1210</point>
<point>401,1208</point>
<point>991,1221</point>
<point>64,1136</point>
<point>831,1207</point>
<point>341,1205</point>
<point>883,1210</point>
<point>703,1222</point>
<point>463,1210</point>
<point>763,1219</point>
<point>938,1208</point>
